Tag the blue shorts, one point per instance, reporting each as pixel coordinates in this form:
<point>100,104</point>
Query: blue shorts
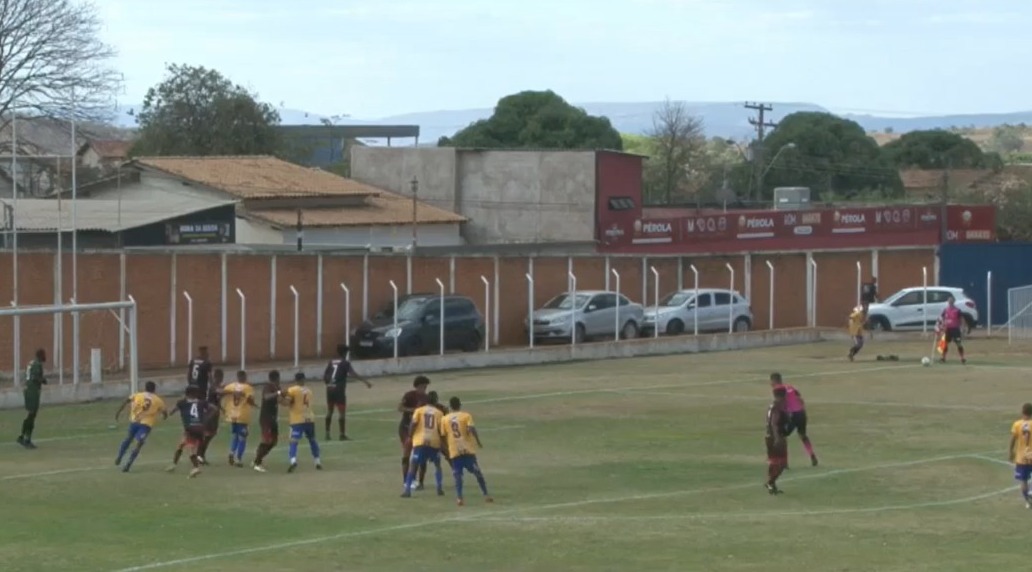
<point>306,430</point>
<point>465,462</point>
<point>239,429</point>
<point>1022,473</point>
<point>425,453</point>
<point>139,431</point>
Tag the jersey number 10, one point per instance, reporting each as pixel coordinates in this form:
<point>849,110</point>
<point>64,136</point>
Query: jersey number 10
<point>428,420</point>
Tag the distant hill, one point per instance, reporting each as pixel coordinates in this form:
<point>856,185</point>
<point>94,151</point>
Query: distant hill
<point>728,120</point>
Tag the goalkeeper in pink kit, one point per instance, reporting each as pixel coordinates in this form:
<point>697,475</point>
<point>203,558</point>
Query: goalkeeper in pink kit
<point>796,409</point>
<point>950,329</point>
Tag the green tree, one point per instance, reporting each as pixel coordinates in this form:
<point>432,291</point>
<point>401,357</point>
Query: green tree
<point>677,161</point>
<point>537,119</point>
<point>826,153</point>
<point>1007,139</point>
<point>935,149</point>
<point>198,111</point>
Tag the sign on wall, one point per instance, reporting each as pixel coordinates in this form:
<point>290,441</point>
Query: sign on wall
<point>199,233</point>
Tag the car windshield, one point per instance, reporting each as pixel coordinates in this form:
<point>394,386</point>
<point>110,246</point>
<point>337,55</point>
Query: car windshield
<point>675,299</point>
<point>410,309</point>
<point>562,301</point>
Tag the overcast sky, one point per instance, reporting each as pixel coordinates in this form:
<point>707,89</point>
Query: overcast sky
<point>374,58</point>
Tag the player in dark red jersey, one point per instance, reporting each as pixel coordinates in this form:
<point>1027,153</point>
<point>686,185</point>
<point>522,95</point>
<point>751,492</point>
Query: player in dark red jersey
<point>213,395</point>
<point>412,400</point>
<point>777,445</point>
<point>194,412</point>
<point>199,372</point>
<point>268,418</point>
<point>336,378</point>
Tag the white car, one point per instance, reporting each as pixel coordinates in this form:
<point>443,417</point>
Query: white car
<point>718,310</point>
<point>913,308</point>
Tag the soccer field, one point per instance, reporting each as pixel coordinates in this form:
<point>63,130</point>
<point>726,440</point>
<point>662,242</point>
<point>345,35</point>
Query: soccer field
<point>638,464</point>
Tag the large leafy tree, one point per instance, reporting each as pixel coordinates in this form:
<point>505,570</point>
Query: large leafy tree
<point>937,149</point>
<point>53,62</point>
<point>828,154</point>
<point>198,111</point>
<point>537,119</point>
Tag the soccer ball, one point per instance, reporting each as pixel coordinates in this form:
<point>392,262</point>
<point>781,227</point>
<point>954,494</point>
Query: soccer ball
<point>925,361</point>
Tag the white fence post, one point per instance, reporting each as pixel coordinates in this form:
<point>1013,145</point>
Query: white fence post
<point>189,325</point>
<point>297,329</point>
<point>770,319</point>
<point>989,304</point>
<point>655,295</point>
<point>530,309</point>
<point>695,317</point>
<point>440,342</point>
<point>924,300</point>
<point>616,319</point>
<point>572,283</point>
<point>487,312</point>
<point>243,329</point>
<point>394,328</point>
<point>813,289</point>
<point>731,302</point>
<point>347,313</point>
<point>859,280</point>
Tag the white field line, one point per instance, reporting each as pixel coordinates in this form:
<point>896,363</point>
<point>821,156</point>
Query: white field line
<point>531,396</point>
<point>497,514</point>
<point>746,515</point>
<point>824,401</point>
<point>994,460</point>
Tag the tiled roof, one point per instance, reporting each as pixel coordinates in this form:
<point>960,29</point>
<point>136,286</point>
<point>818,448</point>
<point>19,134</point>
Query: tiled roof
<point>258,177</point>
<point>385,209</point>
<point>110,149</point>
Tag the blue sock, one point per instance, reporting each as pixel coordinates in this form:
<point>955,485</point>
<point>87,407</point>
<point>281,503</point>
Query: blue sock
<point>409,477</point>
<point>133,455</point>
<point>314,446</point>
<point>233,443</point>
<point>241,446</point>
<point>123,448</point>
<point>438,476</point>
<point>482,483</point>
<point>458,484</point>
<point>292,449</point>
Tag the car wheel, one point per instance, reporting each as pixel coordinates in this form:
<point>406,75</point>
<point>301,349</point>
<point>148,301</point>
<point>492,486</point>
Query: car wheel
<point>472,343</point>
<point>412,347</point>
<point>630,331</point>
<point>741,325</point>
<point>879,324</point>
<point>675,327</point>
<point>579,333</point>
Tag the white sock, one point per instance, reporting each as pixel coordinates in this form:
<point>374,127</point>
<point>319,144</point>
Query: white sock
<point>293,460</point>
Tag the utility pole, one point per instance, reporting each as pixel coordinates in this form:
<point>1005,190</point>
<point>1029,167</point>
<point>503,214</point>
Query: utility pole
<point>415,191</point>
<point>761,125</point>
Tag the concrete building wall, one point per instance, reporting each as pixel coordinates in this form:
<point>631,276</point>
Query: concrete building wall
<point>509,196</point>
<point>253,232</point>
<point>396,236</point>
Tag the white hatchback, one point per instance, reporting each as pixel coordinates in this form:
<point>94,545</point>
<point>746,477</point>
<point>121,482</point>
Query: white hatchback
<point>717,310</point>
<point>916,308</point>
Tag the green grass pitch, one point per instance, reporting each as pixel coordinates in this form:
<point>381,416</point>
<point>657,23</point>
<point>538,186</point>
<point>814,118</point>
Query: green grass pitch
<point>639,464</point>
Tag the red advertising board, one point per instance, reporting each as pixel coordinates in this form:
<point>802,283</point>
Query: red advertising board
<point>738,231</point>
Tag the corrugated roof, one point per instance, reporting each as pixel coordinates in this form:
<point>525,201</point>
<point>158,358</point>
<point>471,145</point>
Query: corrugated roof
<point>110,149</point>
<point>258,177</point>
<point>386,209</point>
<point>38,215</point>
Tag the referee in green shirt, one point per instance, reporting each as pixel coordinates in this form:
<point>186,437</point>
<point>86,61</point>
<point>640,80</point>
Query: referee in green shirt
<point>34,382</point>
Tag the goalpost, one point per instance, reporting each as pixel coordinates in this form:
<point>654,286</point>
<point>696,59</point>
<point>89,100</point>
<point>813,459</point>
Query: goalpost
<point>1019,313</point>
<point>127,328</point>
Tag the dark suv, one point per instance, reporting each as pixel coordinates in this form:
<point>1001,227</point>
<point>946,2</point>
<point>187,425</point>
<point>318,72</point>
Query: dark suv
<point>419,327</point>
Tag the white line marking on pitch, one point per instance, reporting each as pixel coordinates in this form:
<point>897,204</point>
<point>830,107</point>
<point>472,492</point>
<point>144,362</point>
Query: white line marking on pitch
<point>822,401</point>
<point>476,517</point>
<point>994,460</point>
<point>747,514</point>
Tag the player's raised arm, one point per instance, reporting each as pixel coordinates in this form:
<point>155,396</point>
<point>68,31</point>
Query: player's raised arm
<point>354,375</point>
<point>122,407</point>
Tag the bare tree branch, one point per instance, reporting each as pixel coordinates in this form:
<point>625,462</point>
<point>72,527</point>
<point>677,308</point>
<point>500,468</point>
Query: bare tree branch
<point>52,61</point>
<point>679,140</point>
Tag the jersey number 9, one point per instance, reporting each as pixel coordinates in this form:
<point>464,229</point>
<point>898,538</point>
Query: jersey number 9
<point>455,430</point>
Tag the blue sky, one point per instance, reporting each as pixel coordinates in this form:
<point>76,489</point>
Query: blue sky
<point>374,58</point>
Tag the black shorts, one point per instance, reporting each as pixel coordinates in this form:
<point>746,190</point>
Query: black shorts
<point>954,335</point>
<point>335,396</point>
<point>270,431</point>
<point>797,421</point>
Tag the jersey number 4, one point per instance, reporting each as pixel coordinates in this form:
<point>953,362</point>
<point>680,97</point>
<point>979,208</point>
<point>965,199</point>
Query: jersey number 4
<point>195,411</point>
